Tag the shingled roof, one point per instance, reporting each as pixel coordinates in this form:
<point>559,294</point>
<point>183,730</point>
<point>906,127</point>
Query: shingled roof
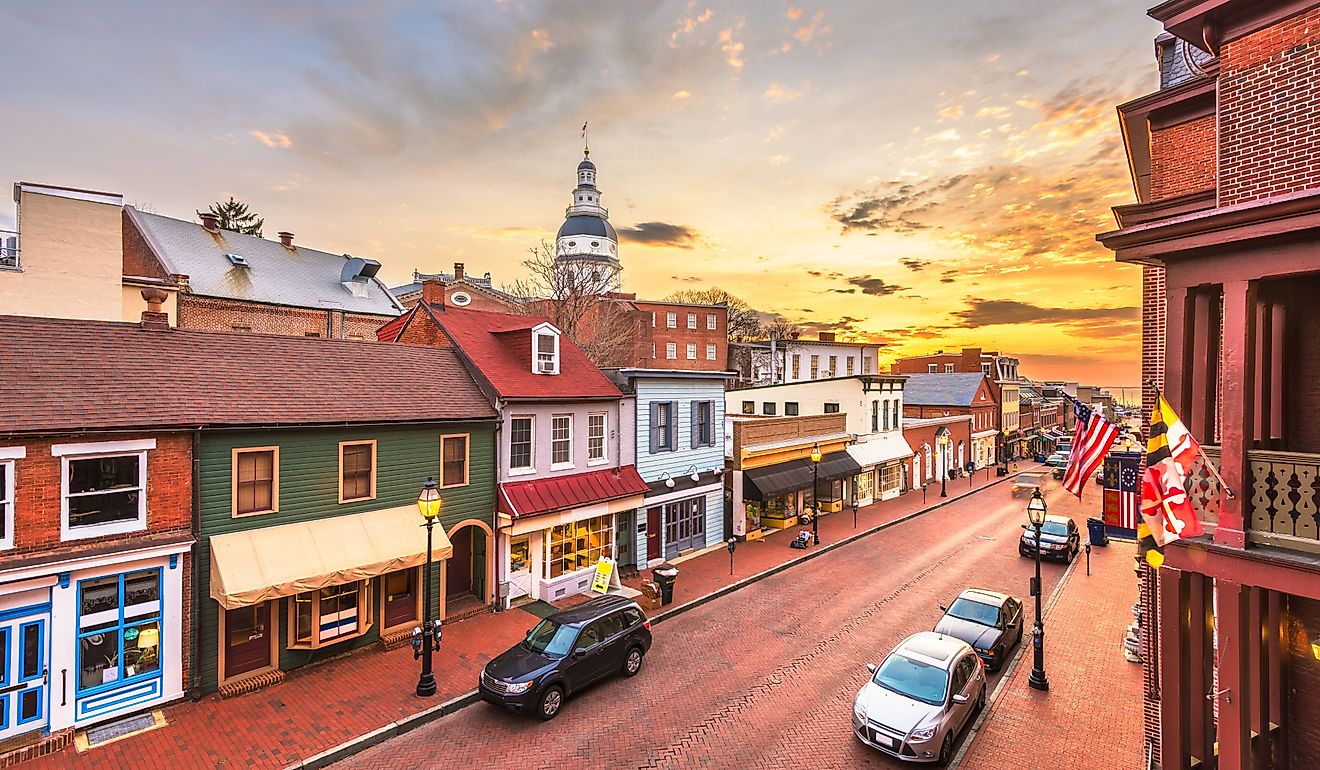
<point>70,375</point>
<point>948,389</point>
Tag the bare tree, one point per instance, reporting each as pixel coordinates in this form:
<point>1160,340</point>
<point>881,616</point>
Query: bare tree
<point>578,300</point>
<point>744,322</point>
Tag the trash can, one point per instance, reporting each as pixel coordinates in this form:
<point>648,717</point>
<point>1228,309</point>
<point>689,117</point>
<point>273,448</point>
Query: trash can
<point>665,575</point>
<point>1095,530</point>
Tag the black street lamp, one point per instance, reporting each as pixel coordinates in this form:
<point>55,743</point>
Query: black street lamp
<point>944,465</point>
<point>429,504</point>
<point>1036,513</point>
<point>815,493</point>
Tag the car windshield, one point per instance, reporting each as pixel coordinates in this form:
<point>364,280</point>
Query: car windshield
<point>984,614</point>
<point>1055,528</point>
<point>551,638</point>
<point>913,679</point>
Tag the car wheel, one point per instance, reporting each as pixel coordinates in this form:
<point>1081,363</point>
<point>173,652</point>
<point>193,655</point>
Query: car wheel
<point>946,749</point>
<point>633,662</point>
<point>551,701</point>
<point>980,702</point>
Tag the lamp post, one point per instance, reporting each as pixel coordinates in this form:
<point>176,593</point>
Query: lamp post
<point>815,493</point>
<point>1036,513</point>
<point>944,465</point>
<point>429,505</point>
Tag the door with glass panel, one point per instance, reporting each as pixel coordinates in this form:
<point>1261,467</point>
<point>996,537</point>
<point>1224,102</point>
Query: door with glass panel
<point>23,674</point>
<point>685,526</point>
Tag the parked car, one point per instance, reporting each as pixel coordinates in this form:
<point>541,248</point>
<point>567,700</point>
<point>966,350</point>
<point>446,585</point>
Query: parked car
<point>565,652</point>
<point>1059,539</point>
<point>1058,460</point>
<point>1025,483</point>
<point>919,698</point>
<point>991,622</point>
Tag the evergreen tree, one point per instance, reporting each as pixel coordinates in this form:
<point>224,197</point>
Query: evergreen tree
<point>235,216</point>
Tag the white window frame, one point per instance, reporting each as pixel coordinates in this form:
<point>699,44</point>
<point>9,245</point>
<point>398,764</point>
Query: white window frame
<point>545,330</point>
<point>68,452</point>
<point>692,321</point>
<point>711,352</point>
<point>530,467</point>
<point>554,466</point>
<point>712,322</point>
<point>7,457</point>
<point>604,438</point>
<point>932,368</point>
<point>671,320</point>
<point>671,351</point>
<point>692,351</point>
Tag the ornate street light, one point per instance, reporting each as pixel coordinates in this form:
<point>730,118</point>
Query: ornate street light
<point>944,458</point>
<point>1036,510</point>
<point>815,493</point>
<point>429,505</point>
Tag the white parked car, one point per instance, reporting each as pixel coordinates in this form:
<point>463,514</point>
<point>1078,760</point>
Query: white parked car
<point>920,697</point>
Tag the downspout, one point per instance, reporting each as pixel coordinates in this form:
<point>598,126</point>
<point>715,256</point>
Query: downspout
<point>194,614</point>
<point>496,601</point>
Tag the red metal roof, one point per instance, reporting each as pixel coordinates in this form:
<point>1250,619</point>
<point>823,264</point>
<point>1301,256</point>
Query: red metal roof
<point>499,346</point>
<point>521,499</point>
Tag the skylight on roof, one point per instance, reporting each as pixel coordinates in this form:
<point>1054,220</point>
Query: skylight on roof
<point>237,260</point>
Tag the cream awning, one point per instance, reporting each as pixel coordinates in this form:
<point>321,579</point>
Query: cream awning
<point>263,564</point>
<point>880,448</point>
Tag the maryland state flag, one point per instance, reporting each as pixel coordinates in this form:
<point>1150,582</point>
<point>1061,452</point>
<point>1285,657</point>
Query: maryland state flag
<point>1166,513</point>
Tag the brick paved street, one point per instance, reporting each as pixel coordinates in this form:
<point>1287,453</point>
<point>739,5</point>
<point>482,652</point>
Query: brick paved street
<point>763,677</point>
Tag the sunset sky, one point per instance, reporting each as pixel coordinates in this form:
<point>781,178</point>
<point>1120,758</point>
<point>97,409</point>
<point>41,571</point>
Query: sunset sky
<point>926,174</point>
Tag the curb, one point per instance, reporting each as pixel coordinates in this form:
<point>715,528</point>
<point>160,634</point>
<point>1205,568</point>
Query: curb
<point>426,716</point>
<point>975,729</point>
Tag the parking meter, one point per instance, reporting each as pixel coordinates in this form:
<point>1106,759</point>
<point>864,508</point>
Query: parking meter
<point>731,543</point>
<point>417,642</point>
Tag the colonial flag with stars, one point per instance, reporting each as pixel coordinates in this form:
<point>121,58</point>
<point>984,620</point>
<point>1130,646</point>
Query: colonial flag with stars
<point>1091,442</point>
<point>1167,515</point>
<point>1122,498</point>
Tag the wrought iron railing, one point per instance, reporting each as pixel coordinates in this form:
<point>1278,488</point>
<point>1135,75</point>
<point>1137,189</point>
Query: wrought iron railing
<point>1285,488</point>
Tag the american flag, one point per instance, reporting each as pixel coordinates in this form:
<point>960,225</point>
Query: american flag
<point>1094,436</point>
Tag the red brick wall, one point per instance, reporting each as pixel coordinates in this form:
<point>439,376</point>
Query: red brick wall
<point>1182,158</point>
<point>1269,111</point>
<point>661,335</point>
<point>423,331</point>
<point>211,314</point>
<point>37,493</point>
<point>1152,369</point>
<point>138,258</point>
<point>1302,682</point>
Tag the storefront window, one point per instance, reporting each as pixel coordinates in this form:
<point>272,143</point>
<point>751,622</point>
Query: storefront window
<point>891,477</point>
<point>520,554</point>
<point>331,614</point>
<point>780,507</point>
<point>864,484</point>
<point>753,514</point>
<point>578,545</point>
<point>118,628</point>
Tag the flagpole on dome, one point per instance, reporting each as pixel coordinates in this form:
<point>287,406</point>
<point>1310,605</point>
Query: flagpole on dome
<point>1228,492</point>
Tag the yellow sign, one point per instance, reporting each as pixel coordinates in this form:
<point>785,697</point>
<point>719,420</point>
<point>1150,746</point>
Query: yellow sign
<point>604,571</point>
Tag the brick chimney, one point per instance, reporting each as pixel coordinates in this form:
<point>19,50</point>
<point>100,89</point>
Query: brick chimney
<point>433,293</point>
<point>209,221</point>
<point>827,336</point>
<point>154,317</point>
<point>458,271</point>
<point>286,239</point>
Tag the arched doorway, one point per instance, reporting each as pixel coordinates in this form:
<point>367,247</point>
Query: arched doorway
<point>467,571</point>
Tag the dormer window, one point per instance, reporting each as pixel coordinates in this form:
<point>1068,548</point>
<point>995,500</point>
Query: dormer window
<point>545,350</point>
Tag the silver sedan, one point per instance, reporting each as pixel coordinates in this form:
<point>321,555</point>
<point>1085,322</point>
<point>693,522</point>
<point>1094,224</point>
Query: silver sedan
<point>920,697</point>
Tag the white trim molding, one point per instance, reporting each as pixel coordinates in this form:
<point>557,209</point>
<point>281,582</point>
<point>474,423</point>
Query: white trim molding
<point>104,447</point>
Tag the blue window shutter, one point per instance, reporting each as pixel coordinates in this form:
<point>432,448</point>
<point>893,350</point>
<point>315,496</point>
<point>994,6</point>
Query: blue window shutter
<point>654,427</point>
<point>695,427</point>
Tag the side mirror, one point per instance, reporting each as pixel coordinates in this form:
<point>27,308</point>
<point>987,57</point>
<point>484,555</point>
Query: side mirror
<point>960,698</point>
<point>528,635</point>
<point>870,667</point>
<point>1024,526</point>
<point>579,652</point>
<point>943,608</point>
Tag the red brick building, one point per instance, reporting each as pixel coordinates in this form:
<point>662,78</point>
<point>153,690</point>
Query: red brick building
<point>677,335</point>
<point>1224,163</point>
<point>460,290</point>
<point>938,443</point>
<point>958,393</point>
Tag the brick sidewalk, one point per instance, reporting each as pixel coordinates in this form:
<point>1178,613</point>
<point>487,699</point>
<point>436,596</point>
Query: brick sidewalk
<point>320,707</point>
<point>1091,716</point>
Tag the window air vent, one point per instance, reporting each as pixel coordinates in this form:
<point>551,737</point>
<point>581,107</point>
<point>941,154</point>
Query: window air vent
<point>237,260</point>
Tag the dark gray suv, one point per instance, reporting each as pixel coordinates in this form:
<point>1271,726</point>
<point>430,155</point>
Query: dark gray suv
<point>566,652</point>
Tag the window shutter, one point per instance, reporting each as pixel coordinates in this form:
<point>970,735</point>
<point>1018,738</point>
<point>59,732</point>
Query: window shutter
<point>673,426</point>
<point>696,424</point>
<point>654,428</point>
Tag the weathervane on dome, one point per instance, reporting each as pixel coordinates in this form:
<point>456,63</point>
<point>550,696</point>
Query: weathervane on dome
<point>586,147</point>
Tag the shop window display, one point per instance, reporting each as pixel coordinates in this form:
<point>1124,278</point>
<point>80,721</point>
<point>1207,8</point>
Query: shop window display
<point>118,629</point>
<point>578,545</point>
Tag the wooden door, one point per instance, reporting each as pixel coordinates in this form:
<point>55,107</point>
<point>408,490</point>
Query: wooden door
<point>247,639</point>
<point>458,569</point>
<point>653,533</point>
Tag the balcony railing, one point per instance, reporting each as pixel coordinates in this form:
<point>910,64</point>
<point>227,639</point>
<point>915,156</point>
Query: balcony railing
<point>1285,487</point>
<point>1281,504</point>
<point>8,250</point>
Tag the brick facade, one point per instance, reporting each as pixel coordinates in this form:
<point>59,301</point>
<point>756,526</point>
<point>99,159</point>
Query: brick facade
<point>1269,111</point>
<point>37,490</point>
<point>656,332</point>
<point>213,314</point>
<point>1182,158</point>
